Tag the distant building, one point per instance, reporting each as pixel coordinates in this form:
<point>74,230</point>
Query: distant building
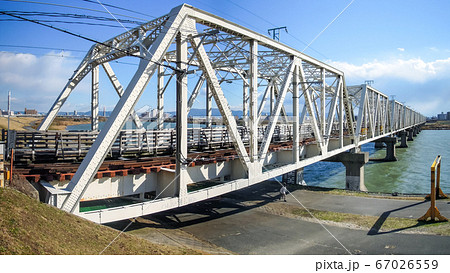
<point>30,112</point>
<point>448,115</point>
<point>154,113</point>
<point>5,112</point>
<point>442,116</point>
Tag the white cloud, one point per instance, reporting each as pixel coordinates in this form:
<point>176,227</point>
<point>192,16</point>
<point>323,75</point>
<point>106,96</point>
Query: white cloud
<point>27,71</point>
<point>412,70</point>
<point>400,49</point>
<point>33,79</point>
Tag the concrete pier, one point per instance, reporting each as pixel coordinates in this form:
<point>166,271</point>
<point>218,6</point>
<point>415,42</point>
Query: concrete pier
<point>354,169</point>
<point>403,141</point>
<point>294,177</point>
<point>390,148</point>
<point>410,135</point>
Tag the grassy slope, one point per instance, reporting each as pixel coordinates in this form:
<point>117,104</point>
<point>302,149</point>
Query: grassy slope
<point>60,123</point>
<point>30,227</point>
<point>17,123</point>
<point>438,125</point>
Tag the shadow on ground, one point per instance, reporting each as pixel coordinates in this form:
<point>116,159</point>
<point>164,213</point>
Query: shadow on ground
<point>375,229</point>
<point>214,208</point>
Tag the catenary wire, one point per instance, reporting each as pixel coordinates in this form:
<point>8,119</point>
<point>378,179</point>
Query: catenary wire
<point>68,6</point>
<point>87,38</point>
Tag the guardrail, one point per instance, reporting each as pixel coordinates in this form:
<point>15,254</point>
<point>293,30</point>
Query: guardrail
<point>65,145</point>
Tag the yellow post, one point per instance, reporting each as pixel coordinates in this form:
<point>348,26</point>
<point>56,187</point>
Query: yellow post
<point>439,193</point>
<point>433,212</point>
<point>2,172</point>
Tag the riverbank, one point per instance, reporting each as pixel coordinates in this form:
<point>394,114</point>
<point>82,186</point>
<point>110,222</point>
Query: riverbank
<point>437,125</point>
<point>31,123</point>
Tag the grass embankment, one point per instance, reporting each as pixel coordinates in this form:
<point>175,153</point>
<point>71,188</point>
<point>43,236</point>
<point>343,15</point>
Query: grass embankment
<point>437,125</point>
<point>30,227</point>
<point>334,191</point>
<point>18,123</point>
<point>59,124</point>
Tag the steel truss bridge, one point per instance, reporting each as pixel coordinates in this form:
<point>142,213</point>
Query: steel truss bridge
<point>313,116</point>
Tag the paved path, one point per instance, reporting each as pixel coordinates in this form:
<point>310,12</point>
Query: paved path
<point>340,203</point>
<point>243,229</point>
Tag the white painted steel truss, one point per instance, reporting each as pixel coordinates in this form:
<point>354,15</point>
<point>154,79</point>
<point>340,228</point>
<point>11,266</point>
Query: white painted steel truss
<point>306,95</point>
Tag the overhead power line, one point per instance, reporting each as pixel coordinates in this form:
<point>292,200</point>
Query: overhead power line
<point>88,39</point>
<point>70,15</point>
<point>73,7</point>
<point>116,7</point>
<point>64,22</point>
<point>42,47</point>
<point>264,19</point>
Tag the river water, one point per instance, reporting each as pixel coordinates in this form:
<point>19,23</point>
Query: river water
<point>410,174</point>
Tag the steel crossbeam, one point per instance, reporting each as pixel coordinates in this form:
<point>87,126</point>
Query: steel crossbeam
<point>335,117</point>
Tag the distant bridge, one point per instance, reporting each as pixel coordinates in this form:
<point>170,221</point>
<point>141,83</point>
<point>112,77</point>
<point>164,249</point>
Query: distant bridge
<point>329,120</point>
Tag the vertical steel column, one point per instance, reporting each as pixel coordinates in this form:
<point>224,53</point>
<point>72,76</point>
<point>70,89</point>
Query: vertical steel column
<point>245,102</point>
<point>331,113</point>
<point>341,112</point>
<point>272,97</point>
<point>296,122</point>
<point>361,114</point>
<point>94,99</point>
<point>392,115</point>
<point>182,123</point>
<point>208,107</point>
<point>160,99</point>
<point>253,121</point>
<point>322,118</point>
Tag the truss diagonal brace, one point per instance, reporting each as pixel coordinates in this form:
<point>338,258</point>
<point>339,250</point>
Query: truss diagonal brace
<point>77,76</point>
<point>310,109</point>
<point>114,124</point>
<point>119,89</point>
<point>276,112</point>
<point>222,104</point>
<point>195,92</point>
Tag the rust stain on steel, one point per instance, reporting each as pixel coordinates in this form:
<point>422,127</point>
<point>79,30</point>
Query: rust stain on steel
<point>64,171</point>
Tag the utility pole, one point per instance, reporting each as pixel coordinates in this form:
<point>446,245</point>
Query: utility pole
<point>9,108</point>
<point>275,32</point>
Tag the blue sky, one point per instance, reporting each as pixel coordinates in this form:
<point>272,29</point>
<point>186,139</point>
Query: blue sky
<point>402,45</point>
